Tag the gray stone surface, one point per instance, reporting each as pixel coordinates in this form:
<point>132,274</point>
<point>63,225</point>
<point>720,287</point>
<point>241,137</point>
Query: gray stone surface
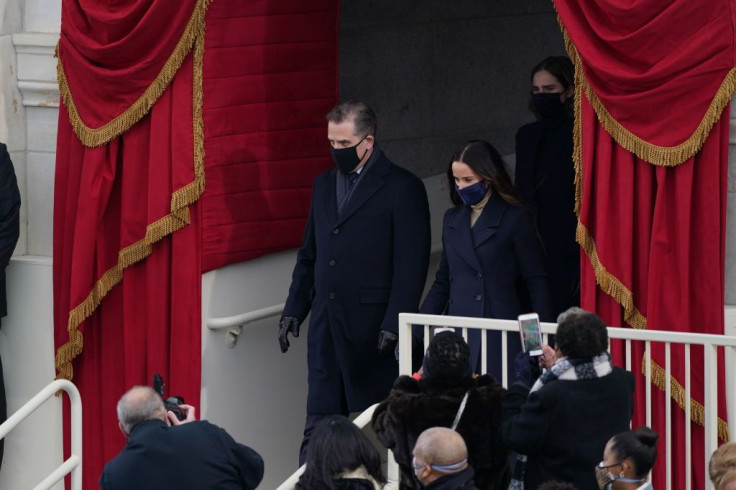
<point>439,72</point>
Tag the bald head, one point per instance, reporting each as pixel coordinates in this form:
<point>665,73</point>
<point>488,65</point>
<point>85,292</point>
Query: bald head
<point>440,446</point>
<point>138,404</point>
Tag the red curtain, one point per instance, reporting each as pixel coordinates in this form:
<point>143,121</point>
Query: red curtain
<point>653,85</point>
<point>270,78</point>
<point>113,207</point>
<point>149,104</point>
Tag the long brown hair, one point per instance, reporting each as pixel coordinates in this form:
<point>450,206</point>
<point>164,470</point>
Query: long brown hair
<point>484,160</point>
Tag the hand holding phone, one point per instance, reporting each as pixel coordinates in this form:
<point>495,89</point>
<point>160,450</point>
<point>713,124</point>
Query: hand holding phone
<point>531,334</point>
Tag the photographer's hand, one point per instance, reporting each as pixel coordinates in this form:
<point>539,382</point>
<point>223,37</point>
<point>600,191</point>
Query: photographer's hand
<point>190,412</point>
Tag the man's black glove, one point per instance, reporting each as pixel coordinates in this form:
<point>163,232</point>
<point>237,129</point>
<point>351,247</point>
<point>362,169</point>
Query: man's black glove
<point>386,342</point>
<point>526,369</point>
<point>286,325</point>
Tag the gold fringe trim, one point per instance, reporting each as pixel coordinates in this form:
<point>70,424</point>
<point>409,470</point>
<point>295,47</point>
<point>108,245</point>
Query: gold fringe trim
<point>697,410</point>
<point>177,219</point>
<point>663,156</point>
<point>93,137</point>
<point>607,281</point>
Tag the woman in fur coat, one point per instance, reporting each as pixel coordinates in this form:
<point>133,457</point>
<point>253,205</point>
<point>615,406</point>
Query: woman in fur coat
<point>435,400</point>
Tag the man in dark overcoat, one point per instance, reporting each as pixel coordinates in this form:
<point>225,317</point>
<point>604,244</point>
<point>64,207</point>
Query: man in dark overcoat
<point>9,232</point>
<point>363,260</point>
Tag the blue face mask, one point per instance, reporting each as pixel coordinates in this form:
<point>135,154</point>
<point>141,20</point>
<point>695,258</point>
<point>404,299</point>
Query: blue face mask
<point>472,194</point>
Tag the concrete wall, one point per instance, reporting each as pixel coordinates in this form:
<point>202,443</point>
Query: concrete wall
<point>439,72</point>
<point>731,212</point>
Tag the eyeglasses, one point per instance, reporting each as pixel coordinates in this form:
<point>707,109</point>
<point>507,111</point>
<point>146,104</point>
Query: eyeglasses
<point>604,467</point>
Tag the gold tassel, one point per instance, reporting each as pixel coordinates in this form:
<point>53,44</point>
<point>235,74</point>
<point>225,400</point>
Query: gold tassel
<point>93,137</point>
<point>138,251</point>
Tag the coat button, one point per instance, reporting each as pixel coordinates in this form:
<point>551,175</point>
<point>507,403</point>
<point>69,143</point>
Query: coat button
<point>331,295</point>
<point>336,231</point>
<point>478,297</point>
<point>332,263</point>
<point>479,275</point>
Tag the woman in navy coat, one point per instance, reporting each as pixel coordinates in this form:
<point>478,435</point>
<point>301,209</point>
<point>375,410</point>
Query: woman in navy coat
<point>490,247</point>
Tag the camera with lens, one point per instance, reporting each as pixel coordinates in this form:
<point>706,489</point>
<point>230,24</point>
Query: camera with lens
<point>171,404</point>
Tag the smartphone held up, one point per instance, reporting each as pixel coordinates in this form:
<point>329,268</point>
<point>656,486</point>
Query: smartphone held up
<point>531,334</point>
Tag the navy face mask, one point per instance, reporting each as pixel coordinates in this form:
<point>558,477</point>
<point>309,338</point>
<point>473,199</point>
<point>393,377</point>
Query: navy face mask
<point>472,194</point>
<point>347,159</point>
<point>548,105</point>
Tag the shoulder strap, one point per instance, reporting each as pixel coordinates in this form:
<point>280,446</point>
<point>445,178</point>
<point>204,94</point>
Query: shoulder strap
<point>460,411</point>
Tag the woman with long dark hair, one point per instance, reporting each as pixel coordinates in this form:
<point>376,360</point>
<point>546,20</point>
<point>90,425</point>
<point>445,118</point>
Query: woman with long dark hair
<point>340,456</point>
<point>490,251</point>
<point>545,175</point>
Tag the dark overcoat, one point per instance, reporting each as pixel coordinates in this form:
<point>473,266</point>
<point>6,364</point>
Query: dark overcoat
<point>357,271</point>
<point>480,268</point>
<point>9,219</point>
<point>193,455</point>
<point>564,426</point>
<point>545,178</point>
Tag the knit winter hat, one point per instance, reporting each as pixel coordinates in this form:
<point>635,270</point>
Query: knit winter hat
<point>447,357</point>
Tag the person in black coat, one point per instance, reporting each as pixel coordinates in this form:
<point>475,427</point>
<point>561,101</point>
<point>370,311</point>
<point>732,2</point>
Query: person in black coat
<point>489,244</point>
<point>563,423</point>
<point>363,260</point>
<point>190,454</point>
<point>9,233</point>
<point>434,401</point>
<point>545,175</point>
<point>441,460</point>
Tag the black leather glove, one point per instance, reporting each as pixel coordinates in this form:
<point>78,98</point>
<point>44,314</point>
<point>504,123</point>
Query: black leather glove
<point>286,325</point>
<point>526,369</point>
<point>386,342</point>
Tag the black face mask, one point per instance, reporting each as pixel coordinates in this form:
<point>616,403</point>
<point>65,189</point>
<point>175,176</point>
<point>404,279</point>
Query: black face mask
<point>548,105</point>
<point>347,159</point>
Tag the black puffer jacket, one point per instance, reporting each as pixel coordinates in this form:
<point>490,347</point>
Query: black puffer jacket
<point>413,406</point>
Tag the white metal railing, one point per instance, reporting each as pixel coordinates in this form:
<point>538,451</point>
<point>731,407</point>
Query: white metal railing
<point>72,465</point>
<point>709,343</point>
<point>361,421</point>
<point>235,323</point>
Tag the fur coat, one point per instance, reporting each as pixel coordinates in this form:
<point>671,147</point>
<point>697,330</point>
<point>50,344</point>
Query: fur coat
<point>413,406</point>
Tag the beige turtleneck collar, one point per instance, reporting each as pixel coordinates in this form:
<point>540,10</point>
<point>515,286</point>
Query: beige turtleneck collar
<point>476,209</point>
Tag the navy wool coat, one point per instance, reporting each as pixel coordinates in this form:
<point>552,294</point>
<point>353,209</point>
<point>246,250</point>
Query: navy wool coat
<point>189,456</point>
<point>480,268</point>
<point>9,218</point>
<point>356,272</point>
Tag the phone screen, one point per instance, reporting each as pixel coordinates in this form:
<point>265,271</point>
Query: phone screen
<point>531,335</point>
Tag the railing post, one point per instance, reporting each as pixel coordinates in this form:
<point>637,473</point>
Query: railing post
<point>710,401</point>
<point>405,350</point>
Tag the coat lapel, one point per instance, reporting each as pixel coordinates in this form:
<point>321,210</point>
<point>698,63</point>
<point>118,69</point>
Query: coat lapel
<point>374,179</point>
<point>330,196</point>
<point>489,220</point>
<point>459,236</point>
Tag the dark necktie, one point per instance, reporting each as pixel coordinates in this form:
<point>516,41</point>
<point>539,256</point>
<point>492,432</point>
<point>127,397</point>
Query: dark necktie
<point>352,178</point>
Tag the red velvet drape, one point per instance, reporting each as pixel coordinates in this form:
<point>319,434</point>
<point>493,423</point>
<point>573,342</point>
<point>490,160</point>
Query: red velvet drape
<point>654,82</point>
<point>127,291</point>
<point>270,77</point>
<point>144,117</point>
